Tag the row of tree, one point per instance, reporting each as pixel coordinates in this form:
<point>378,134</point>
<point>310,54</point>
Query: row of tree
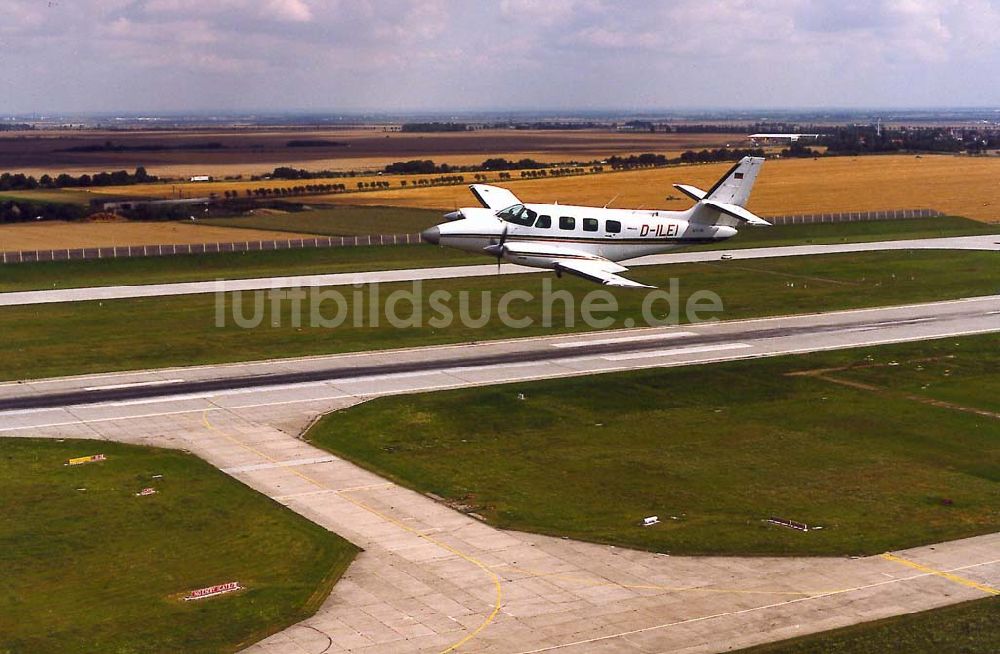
<point>551,172</point>
<point>265,192</point>
<point>13,211</point>
<point>431,181</point>
<point>20,181</point>
<point>645,160</point>
<point>719,154</point>
<point>434,127</point>
<point>867,139</point>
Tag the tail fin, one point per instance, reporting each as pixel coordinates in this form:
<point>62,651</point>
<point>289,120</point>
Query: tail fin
<point>724,203</point>
<point>735,185</point>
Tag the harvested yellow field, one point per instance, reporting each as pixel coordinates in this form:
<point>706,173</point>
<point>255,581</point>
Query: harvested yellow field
<point>964,186</point>
<point>56,235</point>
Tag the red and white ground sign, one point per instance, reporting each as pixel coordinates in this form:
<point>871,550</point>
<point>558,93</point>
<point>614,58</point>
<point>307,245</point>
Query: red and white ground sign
<point>212,591</point>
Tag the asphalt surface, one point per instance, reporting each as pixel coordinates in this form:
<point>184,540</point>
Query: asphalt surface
<point>986,242</point>
<point>373,373</point>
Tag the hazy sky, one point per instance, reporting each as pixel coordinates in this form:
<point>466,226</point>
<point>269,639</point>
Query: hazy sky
<point>398,55</point>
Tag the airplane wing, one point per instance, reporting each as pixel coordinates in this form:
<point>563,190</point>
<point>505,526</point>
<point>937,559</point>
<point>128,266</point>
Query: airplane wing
<point>493,197</point>
<point>601,271</point>
<point>573,262</point>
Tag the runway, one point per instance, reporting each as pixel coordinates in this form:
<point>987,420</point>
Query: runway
<point>369,374</point>
<point>432,579</point>
<point>986,242</point>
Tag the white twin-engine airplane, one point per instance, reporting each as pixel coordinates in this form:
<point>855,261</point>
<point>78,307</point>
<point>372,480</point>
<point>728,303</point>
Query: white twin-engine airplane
<point>587,241</point>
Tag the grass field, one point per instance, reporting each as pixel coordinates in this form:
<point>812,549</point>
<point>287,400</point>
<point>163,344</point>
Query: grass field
<point>101,570</point>
<point>82,337</point>
<point>49,196</point>
<point>68,274</point>
<point>714,450</point>
<point>966,628</point>
<point>229,265</point>
<point>52,235</point>
<point>961,186</point>
<point>340,221</point>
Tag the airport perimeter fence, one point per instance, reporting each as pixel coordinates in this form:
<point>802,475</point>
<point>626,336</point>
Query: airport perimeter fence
<point>853,216</point>
<point>129,251</point>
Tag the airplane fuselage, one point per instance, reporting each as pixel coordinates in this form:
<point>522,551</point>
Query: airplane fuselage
<point>556,230</point>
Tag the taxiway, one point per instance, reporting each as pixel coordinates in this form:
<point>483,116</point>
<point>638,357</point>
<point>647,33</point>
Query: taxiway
<point>18,298</point>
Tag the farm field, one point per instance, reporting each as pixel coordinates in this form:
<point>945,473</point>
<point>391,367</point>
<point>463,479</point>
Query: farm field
<point>257,151</point>
<point>961,186</point>
<point>90,567</point>
<point>589,457</point>
<point>51,235</point>
<point>965,628</point>
<point>84,337</point>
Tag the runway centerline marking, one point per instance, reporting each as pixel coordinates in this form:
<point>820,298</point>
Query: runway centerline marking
<point>139,384</point>
<point>625,339</point>
<point>677,351</point>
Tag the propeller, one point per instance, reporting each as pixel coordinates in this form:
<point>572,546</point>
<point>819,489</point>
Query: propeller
<point>499,248</point>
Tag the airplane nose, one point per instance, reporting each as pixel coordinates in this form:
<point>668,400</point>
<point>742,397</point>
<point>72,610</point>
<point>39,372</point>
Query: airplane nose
<point>431,235</point>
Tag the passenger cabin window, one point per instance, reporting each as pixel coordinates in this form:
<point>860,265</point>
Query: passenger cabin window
<point>544,222</point>
<point>518,214</point>
<point>612,227</point>
<point>590,224</point>
<point>567,222</point>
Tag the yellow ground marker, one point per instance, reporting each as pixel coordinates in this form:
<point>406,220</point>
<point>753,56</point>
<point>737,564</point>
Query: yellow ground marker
<point>494,577</point>
<point>989,590</point>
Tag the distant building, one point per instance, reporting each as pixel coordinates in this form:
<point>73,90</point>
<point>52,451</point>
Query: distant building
<point>201,178</point>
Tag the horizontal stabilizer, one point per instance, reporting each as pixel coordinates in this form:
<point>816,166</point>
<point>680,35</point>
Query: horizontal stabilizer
<point>494,197</point>
<point>692,192</point>
<point>737,212</point>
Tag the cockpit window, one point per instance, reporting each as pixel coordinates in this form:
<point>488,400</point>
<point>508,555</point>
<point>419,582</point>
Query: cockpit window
<point>544,222</point>
<point>518,214</point>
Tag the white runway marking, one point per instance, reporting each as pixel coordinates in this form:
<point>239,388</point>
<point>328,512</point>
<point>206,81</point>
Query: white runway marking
<point>624,339</point>
<point>677,351</point>
<point>155,382</point>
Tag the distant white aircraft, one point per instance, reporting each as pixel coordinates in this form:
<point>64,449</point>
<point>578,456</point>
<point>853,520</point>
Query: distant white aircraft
<point>588,241</point>
<point>791,138</point>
